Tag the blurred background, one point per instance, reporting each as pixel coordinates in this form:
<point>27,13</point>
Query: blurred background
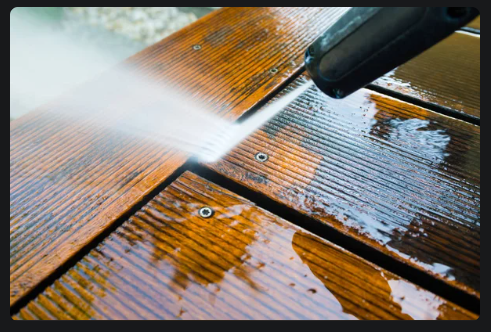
<point>68,45</point>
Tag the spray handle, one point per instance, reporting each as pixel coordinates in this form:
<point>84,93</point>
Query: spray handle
<point>368,42</point>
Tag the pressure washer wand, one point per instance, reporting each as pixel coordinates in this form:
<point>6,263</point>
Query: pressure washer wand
<point>368,42</point>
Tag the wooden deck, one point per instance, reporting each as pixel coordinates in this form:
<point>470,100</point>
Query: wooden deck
<point>167,262</point>
<point>447,75</point>
<point>392,175</point>
<point>104,226</point>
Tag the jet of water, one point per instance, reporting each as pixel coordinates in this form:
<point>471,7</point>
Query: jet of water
<point>45,64</point>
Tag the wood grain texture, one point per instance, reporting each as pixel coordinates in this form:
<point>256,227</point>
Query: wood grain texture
<point>70,180</point>
<point>397,177</point>
<point>448,74</point>
<point>166,262</point>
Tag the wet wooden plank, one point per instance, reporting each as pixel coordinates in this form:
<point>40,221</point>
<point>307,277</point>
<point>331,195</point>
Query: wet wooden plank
<point>397,177</point>
<point>448,75</point>
<point>167,262</point>
<point>70,180</point>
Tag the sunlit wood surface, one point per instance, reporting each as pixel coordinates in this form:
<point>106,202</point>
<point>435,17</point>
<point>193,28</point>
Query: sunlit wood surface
<point>399,178</point>
<point>448,75</point>
<point>167,262</point>
<point>70,180</point>
<point>476,24</point>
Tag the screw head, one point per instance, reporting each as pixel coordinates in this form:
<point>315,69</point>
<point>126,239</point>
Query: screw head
<point>261,157</point>
<point>197,47</point>
<point>206,212</point>
<point>273,70</point>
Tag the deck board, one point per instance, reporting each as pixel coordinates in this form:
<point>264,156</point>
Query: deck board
<point>166,262</point>
<point>397,177</point>
<point>475,24</point>
<point>448,75</point>
<point>70,180</point>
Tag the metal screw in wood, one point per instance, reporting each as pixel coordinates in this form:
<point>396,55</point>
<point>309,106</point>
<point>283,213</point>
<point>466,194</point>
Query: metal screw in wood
<point>206,212</point>
<point>261,157</point>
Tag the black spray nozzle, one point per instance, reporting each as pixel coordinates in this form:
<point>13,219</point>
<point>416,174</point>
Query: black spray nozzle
<point>367,42</point>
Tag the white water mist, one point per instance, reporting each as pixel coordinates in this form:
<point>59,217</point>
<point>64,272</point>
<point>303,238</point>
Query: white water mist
<point>45,65</point>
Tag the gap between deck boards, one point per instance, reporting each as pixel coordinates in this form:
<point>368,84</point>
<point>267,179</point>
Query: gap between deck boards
<point>447,111</point>
<point>326,232</point>
<point>414,275</point>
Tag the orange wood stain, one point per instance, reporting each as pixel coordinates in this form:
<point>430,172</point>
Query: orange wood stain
<point>448,74</point>
<point>397,177</point>
<point>167,262</point>
<point>70,181</point>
